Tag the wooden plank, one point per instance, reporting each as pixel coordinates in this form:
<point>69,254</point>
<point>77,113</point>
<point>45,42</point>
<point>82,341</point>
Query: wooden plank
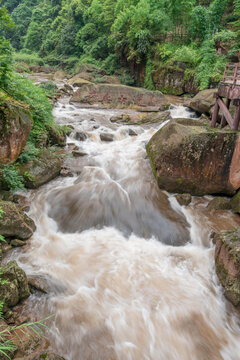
<point>223,119</point>
<point>226,113</point>
<point>235,73</point>
<point>215,114</point>
<point>236,118</point>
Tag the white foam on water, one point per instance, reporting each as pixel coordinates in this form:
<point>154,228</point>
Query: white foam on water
<point>109,238</point>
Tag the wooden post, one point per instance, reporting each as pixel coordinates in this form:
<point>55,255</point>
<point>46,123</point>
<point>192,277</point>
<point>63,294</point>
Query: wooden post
<point>236,116</point>
<point>215,114</point>
<point>226,112</point>
<point>223,119</point>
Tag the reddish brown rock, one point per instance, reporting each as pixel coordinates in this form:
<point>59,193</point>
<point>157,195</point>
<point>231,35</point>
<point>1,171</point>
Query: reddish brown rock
<point>227,260</point>
<point>234,176</point>
<point>15,127</point>
<point>188,158</point>
<point>115,95</point>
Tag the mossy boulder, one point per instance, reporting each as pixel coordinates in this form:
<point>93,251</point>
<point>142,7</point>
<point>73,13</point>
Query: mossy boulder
<point>14,285</point>
<point>172,79</point>
<point>45,167</point>
<point>235,203</point>
<point>219,203</point>
<point>227,261</point>
<point>196,160</point>
<point>15,127</point>
<point>15,223</point>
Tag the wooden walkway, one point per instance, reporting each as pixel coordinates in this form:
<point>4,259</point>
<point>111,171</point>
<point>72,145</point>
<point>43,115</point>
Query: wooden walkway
<point>229,88</point>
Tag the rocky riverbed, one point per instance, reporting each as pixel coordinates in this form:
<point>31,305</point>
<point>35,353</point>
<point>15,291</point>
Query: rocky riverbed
<point>107,251</point>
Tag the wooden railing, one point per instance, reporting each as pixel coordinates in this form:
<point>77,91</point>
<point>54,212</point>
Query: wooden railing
<point>229,88</point>
<point>232,74</point>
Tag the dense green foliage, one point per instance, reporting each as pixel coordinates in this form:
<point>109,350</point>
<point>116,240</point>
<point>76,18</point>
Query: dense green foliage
<point>22,89</point>
<point>119,33</point>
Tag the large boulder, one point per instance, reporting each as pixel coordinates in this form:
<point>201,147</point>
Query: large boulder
<point>203,102</point>
<point>15,127</point>
<point>115,95</point>
<point>14,222</point>
<point>14,285</point>
<point>173,80</point>
<point>186,157</point>
<point>227,260</point>
<point>42,169</point>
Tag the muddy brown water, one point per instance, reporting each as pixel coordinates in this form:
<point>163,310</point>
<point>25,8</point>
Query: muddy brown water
<point>131,272</point>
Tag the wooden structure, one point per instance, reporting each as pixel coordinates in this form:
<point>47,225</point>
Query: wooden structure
<point>229,88</point>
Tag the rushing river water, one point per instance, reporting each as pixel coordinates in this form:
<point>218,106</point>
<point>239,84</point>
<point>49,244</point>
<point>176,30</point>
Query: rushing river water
<point>131,272</point>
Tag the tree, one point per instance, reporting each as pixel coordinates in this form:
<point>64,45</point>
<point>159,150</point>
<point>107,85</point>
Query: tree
<point>21,15</point>
<point>36,30</point>
<point>5,48</point>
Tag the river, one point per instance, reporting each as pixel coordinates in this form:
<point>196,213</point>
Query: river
<point>131,272</point>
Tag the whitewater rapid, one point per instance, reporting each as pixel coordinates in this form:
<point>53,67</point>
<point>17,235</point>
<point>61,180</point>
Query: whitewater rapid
<point>131,271</point>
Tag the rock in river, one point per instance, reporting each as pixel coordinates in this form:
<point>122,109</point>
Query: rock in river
<point>118,95</point>
<point>219,203</point>
<point>41,170</point>
<point>184,199</point>
<point>106,137</point>
<point>14,222</point>
<point>235,203</point>
<point>227,260</point>
<point>15,288</point>
<point>186,157</point>
<point>203,102</point>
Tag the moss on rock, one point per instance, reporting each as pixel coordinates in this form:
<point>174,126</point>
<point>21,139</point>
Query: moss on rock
<point>14,286</point>
<point>227,260</point>
<point>45,167</point>
<point>14,222</point>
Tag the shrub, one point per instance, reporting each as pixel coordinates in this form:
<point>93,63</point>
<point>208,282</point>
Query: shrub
<point>23,89</point>
<point>29,153</point>
<point>11,177</point>
<point>29,59</point>
<point>148,82</point>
